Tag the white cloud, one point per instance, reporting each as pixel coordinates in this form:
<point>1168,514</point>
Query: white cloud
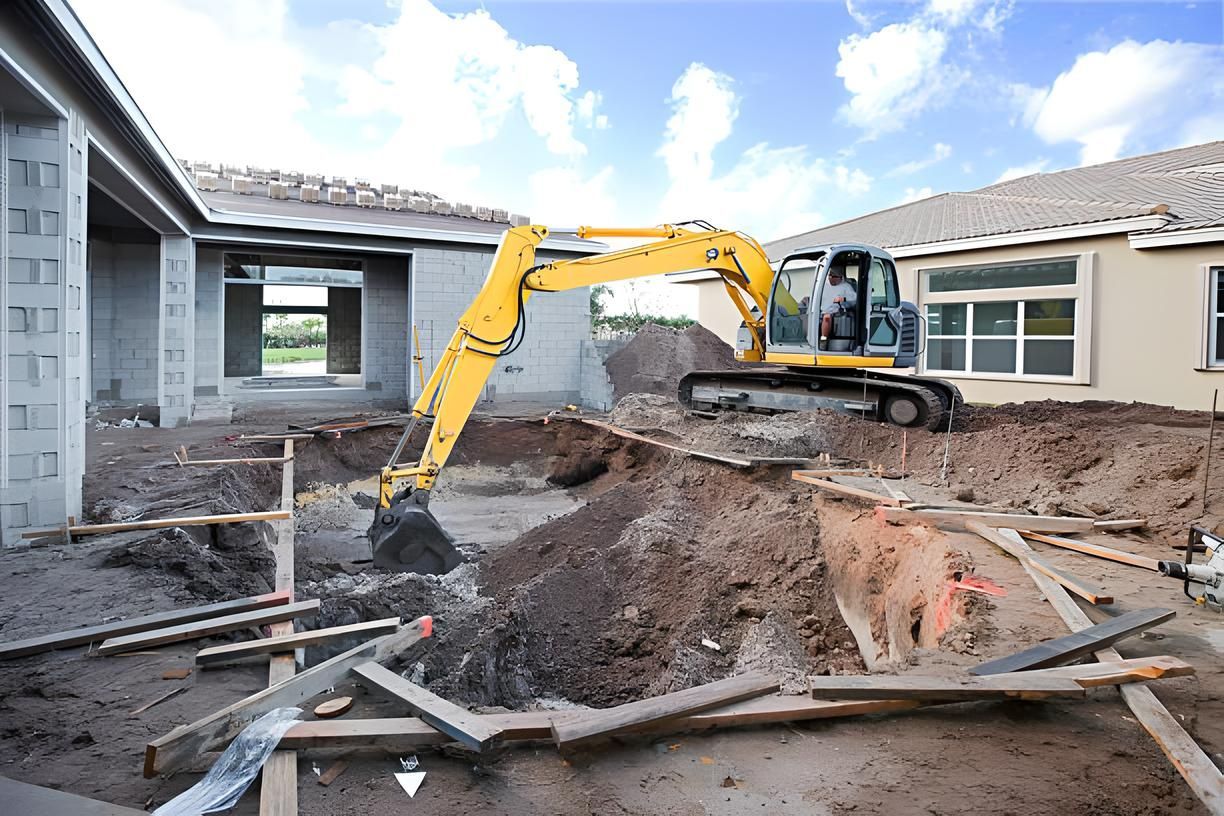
<point>952,12</point>
<point>938,153</point>
<point>1133,97</point>
<point>245,106</point>
<point>460,76</point>
<point>913,194</point>
<point>892,74</point>
<point>410,92</point>
<point>1022,170</point>
<point>767,192</point>
<point>858,15</point>
<point>561,196</point>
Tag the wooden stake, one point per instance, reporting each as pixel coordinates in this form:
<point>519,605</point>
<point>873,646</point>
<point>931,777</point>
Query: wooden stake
<point>1210,438</point>
<point>278,795</point>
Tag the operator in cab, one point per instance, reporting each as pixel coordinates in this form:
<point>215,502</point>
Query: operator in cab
<point>838,293</point>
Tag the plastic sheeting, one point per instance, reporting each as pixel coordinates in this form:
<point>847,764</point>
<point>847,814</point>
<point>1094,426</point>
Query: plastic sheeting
<point>234,770</point>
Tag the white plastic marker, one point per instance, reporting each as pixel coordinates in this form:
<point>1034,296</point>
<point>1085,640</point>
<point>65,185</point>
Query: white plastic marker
<point>411,782</point>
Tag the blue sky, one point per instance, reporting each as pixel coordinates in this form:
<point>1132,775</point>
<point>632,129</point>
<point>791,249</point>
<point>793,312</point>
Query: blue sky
<point>770,117</point>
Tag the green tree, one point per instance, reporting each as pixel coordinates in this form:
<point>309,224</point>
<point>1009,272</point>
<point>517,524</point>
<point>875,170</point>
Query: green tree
<point>598,293</point>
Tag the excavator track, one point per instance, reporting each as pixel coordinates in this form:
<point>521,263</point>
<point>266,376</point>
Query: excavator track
<point>902,400</point>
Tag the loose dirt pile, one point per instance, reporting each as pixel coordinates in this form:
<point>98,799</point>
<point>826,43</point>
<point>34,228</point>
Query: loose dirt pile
<point>657,357</point>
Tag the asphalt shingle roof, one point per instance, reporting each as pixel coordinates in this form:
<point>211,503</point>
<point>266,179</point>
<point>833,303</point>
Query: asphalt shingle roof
<point>1189,180</point>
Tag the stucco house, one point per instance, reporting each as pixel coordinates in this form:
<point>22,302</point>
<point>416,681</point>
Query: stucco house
<point>1098,283</point>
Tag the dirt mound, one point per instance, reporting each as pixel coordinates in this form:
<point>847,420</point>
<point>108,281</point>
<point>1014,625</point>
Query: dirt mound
<point>610,603</point>
<point>657,357</point>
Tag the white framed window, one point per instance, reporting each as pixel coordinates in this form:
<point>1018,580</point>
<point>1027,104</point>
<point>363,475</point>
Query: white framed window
<point>1024,320</point>
<point>1212,356</point>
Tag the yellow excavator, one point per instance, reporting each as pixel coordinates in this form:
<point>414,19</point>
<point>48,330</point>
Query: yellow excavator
<point>828,324</point>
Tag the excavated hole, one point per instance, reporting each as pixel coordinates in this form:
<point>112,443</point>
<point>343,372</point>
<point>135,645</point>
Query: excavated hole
<point>599,566</point>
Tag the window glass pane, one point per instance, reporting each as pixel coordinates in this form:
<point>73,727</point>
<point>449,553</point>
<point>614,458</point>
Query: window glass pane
<point>1049,357</point>
<point>1049,317</point>
<point>945,355</point>
<point>945,318</point>
<point>1219,339</point>
<point>883,284</point>
<point>789,320</point>
<point>994,318</point>
<point>1219,304</point>
<point>292,269</point>
<point>1052,273</point>
<point>994,356</point>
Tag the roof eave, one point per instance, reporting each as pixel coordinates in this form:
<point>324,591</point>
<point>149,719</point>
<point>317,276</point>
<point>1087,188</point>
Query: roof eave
<point>1186,237</point>
<point>1138,223</point>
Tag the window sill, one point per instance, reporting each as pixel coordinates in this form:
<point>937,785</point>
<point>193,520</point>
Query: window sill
<point>1019,378</point>
<point>1209,369</point>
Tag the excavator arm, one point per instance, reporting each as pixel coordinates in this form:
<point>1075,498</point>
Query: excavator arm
<point>405,536</point>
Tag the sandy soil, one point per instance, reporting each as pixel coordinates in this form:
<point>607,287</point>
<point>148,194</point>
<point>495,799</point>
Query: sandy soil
<point>601,566</point>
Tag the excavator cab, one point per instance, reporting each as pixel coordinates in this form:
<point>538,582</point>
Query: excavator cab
<point>835,301</point>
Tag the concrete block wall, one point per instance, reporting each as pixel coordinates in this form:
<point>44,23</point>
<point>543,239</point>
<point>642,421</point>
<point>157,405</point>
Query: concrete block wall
<point>176,349</point>
<point>384,342</point>
<point>547,365</point>
<point>208,328</point>
<point>243,330</point>
<point>597,392</point>
<point>344,330</point>
<point>124,321</point>
<point>41,322</point>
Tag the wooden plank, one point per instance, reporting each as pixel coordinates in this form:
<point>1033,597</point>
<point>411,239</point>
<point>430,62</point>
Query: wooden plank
<point>947,689</point>
<point>1090,593</point>
<point>896,492</point>
<point>1200,773</point>
<point>1041,524</point>
<point>211,626</point>
<point>157,524</point>
<point>450,719</point>
<point>610,721</point>
<point>230,652</point>
<point>278,795</point>
<point>1120,524</point>
<point>845,490</point>
<point>333,772</point>
<point>178,747</point>
<point>263,460</point>
<point>270,437</point>
<point>144,623</point>
<point>1108,553</point>
<point>636,437</point>
<point>1078,644</point>
<point>22,799</point>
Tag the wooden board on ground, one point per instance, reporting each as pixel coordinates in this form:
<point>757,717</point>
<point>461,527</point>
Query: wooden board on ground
<point>172,750</point>
<point>1078,644</point>
<point>1186,756</point>
<point>287,643</point>
<point>610,721</point>
<point>459,723</point>
<point>211,626</point>
<point>144,623</point>
<point>1073,583</point>
<point>733,461</point>
<point>1119,524</point>
<point>157,524</point>
<point>333,771</point>
<point>912,687</point>
<point>258,460</point>
<point>1108,553</point>
<point>1041,524</point>
<point>22,799</point>
<point>843,490</point>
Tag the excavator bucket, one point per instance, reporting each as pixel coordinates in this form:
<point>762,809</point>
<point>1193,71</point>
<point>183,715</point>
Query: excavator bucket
<point>407,538</point>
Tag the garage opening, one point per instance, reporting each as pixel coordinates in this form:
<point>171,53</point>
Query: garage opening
<point>292,321</point>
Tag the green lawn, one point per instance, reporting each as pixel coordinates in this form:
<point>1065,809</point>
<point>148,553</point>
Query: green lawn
<point>293,355</point>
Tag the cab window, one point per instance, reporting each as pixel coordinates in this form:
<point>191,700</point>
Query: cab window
<point>789,307</point>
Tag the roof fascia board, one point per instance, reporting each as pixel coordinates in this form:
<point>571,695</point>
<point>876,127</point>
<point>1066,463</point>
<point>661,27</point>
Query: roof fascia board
<point>1155,240</point>
<point>32,85</point>
<point>1142,222</point>
<point>221,238</point>
<point>123,171</point>
<point>387,231</point>
<point>81,40</point>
